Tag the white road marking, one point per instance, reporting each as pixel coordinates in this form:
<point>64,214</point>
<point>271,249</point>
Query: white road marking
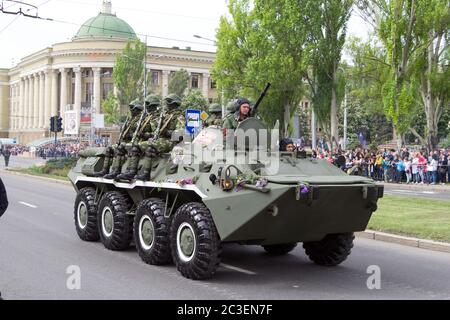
<point>237,269</point>
<point>28,205</point>
<point>408,191</point>
<point>428,192</point>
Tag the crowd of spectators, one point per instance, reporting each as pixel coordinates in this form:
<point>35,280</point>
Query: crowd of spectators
<point>390,166</point>
<point>65,150</point>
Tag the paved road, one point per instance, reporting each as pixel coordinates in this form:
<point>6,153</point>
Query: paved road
<point>38,243</point>
<point>421,191</point>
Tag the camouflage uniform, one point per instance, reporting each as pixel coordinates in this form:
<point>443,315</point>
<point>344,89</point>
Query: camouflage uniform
<point>120,150</point>
<point>173,120</point>
<point>232,120</point>
<point>215,118</point>
<point>145,132</point>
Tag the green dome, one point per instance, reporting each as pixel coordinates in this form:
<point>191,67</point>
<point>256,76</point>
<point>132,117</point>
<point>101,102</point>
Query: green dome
<point>105,25</point>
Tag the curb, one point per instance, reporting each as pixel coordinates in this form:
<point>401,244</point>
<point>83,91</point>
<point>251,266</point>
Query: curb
<point>36,177</point>
<point>406,241</point>
<point>420,187</point>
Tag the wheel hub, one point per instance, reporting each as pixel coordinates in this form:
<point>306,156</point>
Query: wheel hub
<point>108,221</point>
<point>146,232</point>
<point>186,242</point>
<point>82,215</point>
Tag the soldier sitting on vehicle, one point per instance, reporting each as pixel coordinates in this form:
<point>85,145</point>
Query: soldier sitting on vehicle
<point>116,154</point>
<point>145,132</point>
<point>172,120</point>
<point>287,145</point>
<point>215,117</point>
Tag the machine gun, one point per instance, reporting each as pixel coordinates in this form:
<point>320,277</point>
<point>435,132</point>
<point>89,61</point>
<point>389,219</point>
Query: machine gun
<point>138,126</point>
<point>261,97</point>
<point>158,128</point>
<point>124,129</point>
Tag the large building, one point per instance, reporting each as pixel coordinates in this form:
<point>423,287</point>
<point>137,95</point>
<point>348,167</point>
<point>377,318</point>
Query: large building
<point>77,76</point>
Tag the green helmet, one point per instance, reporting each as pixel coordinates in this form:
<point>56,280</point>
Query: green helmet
<point>135,105</point>
<point>231,106</point>
<point>152,100</point>
<point>172,100</point>
<point>215,108</point>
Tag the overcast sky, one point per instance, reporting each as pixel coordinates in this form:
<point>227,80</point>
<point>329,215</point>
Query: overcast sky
<point>177,20</point>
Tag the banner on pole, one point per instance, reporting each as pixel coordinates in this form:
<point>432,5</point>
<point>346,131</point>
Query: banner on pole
<point>71,125</point>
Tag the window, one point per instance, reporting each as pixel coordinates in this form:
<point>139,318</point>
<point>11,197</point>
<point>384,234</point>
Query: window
<point>306,104</point>
<point>213,84</point>
<point>107,88</point>
<point>87,73</point>
<point>155,78</point>
<point>89,92</point>
<point>194,81</point>
<point>73,93</point>
<point>106,73</point>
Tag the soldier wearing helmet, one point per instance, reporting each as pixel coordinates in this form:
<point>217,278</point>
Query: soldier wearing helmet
<point>215,117</point>
<point>242,112</point>
<point>172,120</point>
<point>119,151</point>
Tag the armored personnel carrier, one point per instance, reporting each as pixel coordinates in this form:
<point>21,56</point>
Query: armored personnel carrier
<point>203,195</point>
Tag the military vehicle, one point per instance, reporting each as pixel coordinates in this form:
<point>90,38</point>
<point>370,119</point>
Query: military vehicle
<point>189,209</point>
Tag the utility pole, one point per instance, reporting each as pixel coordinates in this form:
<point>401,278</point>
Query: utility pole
<point>344,144</point>
<point>145,71</point>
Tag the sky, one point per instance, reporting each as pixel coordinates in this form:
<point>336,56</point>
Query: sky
<point>176,20</point>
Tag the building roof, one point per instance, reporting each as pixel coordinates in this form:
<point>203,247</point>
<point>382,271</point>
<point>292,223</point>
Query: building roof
<point>105,25</point>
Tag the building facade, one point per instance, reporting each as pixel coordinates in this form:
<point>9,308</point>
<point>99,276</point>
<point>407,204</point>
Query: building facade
<point>77,76</point>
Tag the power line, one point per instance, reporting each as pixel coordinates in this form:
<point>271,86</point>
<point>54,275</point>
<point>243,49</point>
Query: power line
<point>20,12</point>
<point>113,30</point>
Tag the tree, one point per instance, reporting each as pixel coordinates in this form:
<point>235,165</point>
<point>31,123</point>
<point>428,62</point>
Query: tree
<point>179,82</point>
<point>128,74</point>
<point>415,35</point>
<point>194,99</point>
<point>253,49</point>
<point>328,29</point>
<point>110,108</point>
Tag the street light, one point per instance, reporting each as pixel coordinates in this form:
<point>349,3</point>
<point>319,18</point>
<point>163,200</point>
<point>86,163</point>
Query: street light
<point>200,37</point>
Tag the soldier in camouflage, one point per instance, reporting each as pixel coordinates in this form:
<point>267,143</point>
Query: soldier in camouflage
<point>241,113</point>
<point>145,132</point>
<point>172,120</point>
<point>119,150</point>
<point>215,117</point>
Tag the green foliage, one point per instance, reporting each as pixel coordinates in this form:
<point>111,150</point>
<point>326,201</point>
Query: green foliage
<point>128,74</point>
<point>58,167</point>
<point>194,99</point>
<point>253,49</point>
<point>179,82</point>
<point>110,108</point>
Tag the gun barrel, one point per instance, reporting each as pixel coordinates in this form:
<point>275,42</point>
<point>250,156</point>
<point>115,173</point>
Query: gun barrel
<point>261,97</point>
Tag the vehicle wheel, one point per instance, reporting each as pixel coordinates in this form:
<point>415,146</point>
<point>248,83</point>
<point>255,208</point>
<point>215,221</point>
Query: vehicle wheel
<point>195,242</point>
<point>279,249</point>
<point>331,250</point>
<point>114,224</point>
<point>151,232</point>
<point>85,215</point>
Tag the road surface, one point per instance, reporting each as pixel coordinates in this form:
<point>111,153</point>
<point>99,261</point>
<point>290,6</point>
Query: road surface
<point>38,245</point>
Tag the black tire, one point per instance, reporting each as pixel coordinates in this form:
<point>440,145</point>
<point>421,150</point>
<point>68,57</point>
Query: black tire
<point>195,219</point>
<point>279,249</point>
<point>85,208</point>
<point>331,250</point>
<point>150,213</point>
<point>115,205</point>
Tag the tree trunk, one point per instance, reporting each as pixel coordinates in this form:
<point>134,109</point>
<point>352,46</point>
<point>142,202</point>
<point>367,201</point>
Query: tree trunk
<point>333,116</point>
<point>287,118</point>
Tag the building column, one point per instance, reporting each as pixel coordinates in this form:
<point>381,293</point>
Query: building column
<point>36,102</point>
<point>77,94</point>
<point>97,90</point>
<point>26,88</point>
<point>30,102</point>
<point>47,99</point>
<point>63,100</point>
<point>21,100</point>
<point>54,92</point>
<point>165,83</point>
<point>205,85</point>
<point>41,100</point>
